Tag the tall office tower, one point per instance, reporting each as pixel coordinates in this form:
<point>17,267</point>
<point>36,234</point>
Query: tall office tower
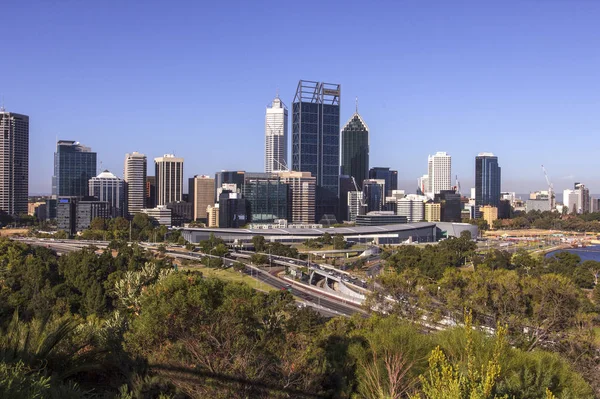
<point>316,140</point>
<point>303,188</point>
<point>390,177</point>
<point>276,132</point>
<point>355,149</point>
<point>374,194</point>
<point>267,196</point>
<point>422,184</point>
<point>440,173</point>
<point>109,188</point>
<point>570,200</point>
<point>487,181</point>
<point>228,177</point>
<point>169,179</point>
<point>150,192</point>
<point>14,162</point>
<point>583,198</point>
<point>135,179</point>
<point>201,194</point>
<point>74,166</point>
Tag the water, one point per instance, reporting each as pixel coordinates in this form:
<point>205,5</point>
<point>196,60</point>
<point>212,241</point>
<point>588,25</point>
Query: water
<point>588,253</point>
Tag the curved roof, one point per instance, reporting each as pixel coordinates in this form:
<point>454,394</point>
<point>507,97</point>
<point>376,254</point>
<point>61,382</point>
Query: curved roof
<point>106,175</point>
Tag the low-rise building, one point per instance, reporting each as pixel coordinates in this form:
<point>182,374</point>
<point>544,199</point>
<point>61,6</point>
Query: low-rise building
<point>433,212</point>
<point>489,214</point>
<point>379,218</point>
<point>160,215</point>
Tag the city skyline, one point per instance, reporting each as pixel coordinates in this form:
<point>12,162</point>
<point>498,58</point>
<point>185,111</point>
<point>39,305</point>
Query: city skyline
<point>433,84</point>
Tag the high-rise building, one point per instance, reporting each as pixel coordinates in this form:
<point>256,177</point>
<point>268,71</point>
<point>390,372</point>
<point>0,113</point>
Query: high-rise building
<point>374,194</point>
<point>169,179</point>
<point>423,185</point>
<point>14,162</point>
<point>134,174</point>
<point>451,206</point>
<point>583,198</point>
<point>228,177</point>
<point>487,181</point>
<point>150,192</point>
<point>433,212</point>
<point>109,188</point>
<point>389,176</point>
<point>276,132</point>
<point>303,191</point>
<point>412,207</point>
<point>233,210</point>
<point>316,140</point>
<point>74,166</point>
<point>201,194</point>
<point>267,196</point>
<point>355,149</point>
<point>439,172</point>
<point>213,215</point>
<point>355,205</point>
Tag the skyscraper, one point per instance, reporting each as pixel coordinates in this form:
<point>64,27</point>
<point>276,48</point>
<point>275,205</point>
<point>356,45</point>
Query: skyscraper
<point>267,196</point>
<point>316,140</point>
<point>374,194</point>
<point>14,162</point>
<point>135,178</point>
<point>390,177</point>
<point>276,132</point>
<point>355,149</point>
<point>169,179</point>
<point>439,172</point>
<point>202,194</point>
<point>302,203</point>
<point>487,181</point>
<point>109,188</point>
<point>74,166</point>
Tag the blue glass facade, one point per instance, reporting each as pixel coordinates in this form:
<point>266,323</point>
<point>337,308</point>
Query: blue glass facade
<point>268,199</point>
<point>316,140</point>
<point>74,166</point>
<point>487,181</point>
<point>390,177</point>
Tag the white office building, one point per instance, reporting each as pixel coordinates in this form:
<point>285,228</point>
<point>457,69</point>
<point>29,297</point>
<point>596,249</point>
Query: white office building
<point>276,132</point>
<point>412,206</point>
<point>169,179</point>
<point>355,207</point>
<point>134,175</point>
<point>439,172</point>
<point>109,188</point>
<point>570,200</point>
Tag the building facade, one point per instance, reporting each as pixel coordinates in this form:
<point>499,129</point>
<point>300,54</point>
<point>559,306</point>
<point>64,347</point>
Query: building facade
<point>439,173</point>
<point>316,140</point>
<point>389,176</point>
<point>583,198</point>
<point>14,162</point>
<point>451,206</point>
<point>160,215</point>
<point>487,181</point>
<point>412,207</point>
<point>303,196</point>
<point>109,188</point>
<point>489,214</point>
<point>355,149</point>
<point>169,179</point>
<point>201,194</point>
<point>74,166</point>
<point>150,192</point>
<point>233,210</point>
<point>135,174</point>
<point>433,212</point>
<point>267,197</point>
<point>276,133</point>
<point>374,195</point>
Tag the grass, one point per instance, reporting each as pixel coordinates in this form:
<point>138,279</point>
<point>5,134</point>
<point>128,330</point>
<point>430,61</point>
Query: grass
<point>231,275</point>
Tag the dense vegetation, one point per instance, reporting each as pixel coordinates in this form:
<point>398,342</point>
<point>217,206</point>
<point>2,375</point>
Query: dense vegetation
<point>124,324</point>
<point>549,220</point>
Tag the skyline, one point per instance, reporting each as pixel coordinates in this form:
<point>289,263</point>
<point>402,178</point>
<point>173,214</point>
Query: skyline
<point>479,78</point>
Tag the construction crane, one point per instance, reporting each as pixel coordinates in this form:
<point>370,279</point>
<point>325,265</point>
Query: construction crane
<point>361,197</point>
<point>550,189</point>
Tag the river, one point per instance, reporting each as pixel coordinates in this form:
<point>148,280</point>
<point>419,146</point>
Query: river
<point>588,253</point>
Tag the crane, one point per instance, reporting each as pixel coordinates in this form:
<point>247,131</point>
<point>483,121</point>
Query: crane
<point>550,188</point>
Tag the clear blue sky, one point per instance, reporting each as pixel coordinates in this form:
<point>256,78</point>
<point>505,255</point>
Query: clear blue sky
<point>517,78</point>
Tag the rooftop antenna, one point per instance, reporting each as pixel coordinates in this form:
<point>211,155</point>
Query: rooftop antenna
<point>357,104</point>
<point>2,109</point>
<point>277,93</point>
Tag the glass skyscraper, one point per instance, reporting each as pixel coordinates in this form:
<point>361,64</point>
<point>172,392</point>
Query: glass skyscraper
<point>390,177</point>
<point>316,140</point>
<point>487,181</point>
<point>74,166</point>
<point>355,149</point>
<point>268,198</point>
<point>14,162</point>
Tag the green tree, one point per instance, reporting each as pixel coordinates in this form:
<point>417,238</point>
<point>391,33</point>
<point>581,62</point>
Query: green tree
<point>259,243</point>
<point>259,259</point>
<point>339,242</point>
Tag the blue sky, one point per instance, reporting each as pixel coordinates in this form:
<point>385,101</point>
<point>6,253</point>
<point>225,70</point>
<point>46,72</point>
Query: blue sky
<point>517,78</point>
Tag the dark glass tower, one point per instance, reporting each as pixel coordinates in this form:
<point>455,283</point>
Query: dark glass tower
<point>316,140</point>
<point>14,162</point>
<point>355,149</point>
<point>268,198</point>
<point>390,177</point>
<point>487,181</point>
<point>74,166</point>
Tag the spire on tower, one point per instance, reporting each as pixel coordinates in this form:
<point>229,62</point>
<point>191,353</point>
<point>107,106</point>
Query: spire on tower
<point>357,104</point>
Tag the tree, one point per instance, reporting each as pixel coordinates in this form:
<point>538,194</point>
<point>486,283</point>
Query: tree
<point>326,239</point>
<point>259,243</point>
<point>98,224</point>
<point>259,259</point>
<point>339,242</point>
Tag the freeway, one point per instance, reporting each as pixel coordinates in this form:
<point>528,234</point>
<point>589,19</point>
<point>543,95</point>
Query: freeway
<point>327,305</point>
